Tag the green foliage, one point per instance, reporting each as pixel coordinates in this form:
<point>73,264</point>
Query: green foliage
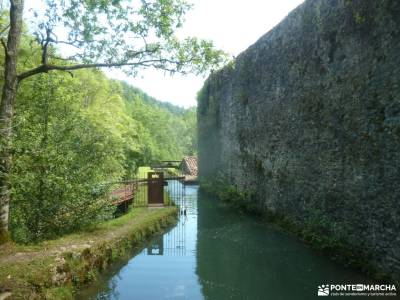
<point>60,153</point>
<point>134,34</point>
<point>226,192</point>
<point>72,135</point>
<point>61,293</point>
<point>169,132</point>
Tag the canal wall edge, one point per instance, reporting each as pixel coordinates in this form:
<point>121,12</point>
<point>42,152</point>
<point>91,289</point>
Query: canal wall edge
<point>59,270</point>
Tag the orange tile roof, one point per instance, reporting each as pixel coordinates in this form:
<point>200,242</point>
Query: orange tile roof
<point>190,165</point>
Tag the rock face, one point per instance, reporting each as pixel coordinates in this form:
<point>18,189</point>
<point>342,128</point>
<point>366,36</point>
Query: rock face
<point>308,120</point>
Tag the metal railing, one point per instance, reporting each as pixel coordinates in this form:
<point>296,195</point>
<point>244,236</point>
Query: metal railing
<point>135,192</point>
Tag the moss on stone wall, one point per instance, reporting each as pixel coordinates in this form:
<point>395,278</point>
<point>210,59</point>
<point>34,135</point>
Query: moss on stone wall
<point>220,187</point>
<point>312,230</point>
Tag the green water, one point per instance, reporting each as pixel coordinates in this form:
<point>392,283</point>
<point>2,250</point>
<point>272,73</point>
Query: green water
<point>216,253</point>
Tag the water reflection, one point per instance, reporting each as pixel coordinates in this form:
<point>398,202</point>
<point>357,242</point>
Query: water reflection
<point>156,247</point>
<point>215,253</point>
<point>240,257</point>
<point>165,268</point>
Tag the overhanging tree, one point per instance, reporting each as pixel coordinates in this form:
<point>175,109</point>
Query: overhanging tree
<point>131,35</point>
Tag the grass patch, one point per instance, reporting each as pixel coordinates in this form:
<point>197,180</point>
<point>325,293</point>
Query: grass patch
<point>56,269</point>
<point>142,172</point>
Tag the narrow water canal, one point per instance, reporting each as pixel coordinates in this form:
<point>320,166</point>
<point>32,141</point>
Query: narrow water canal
<point>217,253</point>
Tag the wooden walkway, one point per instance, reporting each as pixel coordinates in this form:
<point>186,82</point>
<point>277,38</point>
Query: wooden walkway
<point>123,194</point>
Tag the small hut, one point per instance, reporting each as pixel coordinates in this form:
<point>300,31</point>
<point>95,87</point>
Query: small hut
<point>189,169</point>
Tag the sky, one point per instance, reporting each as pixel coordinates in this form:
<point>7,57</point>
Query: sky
<point>233,25</point>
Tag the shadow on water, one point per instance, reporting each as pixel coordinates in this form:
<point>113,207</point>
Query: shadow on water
<point>215,253</point>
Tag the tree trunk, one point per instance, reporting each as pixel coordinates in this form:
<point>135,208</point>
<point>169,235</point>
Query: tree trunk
<point>7,110</point>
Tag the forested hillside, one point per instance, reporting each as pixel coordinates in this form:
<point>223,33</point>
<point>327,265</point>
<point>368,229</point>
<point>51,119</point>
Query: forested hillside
<point>171,129</point>
<point>75,132</point>
<point>65,129</point>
